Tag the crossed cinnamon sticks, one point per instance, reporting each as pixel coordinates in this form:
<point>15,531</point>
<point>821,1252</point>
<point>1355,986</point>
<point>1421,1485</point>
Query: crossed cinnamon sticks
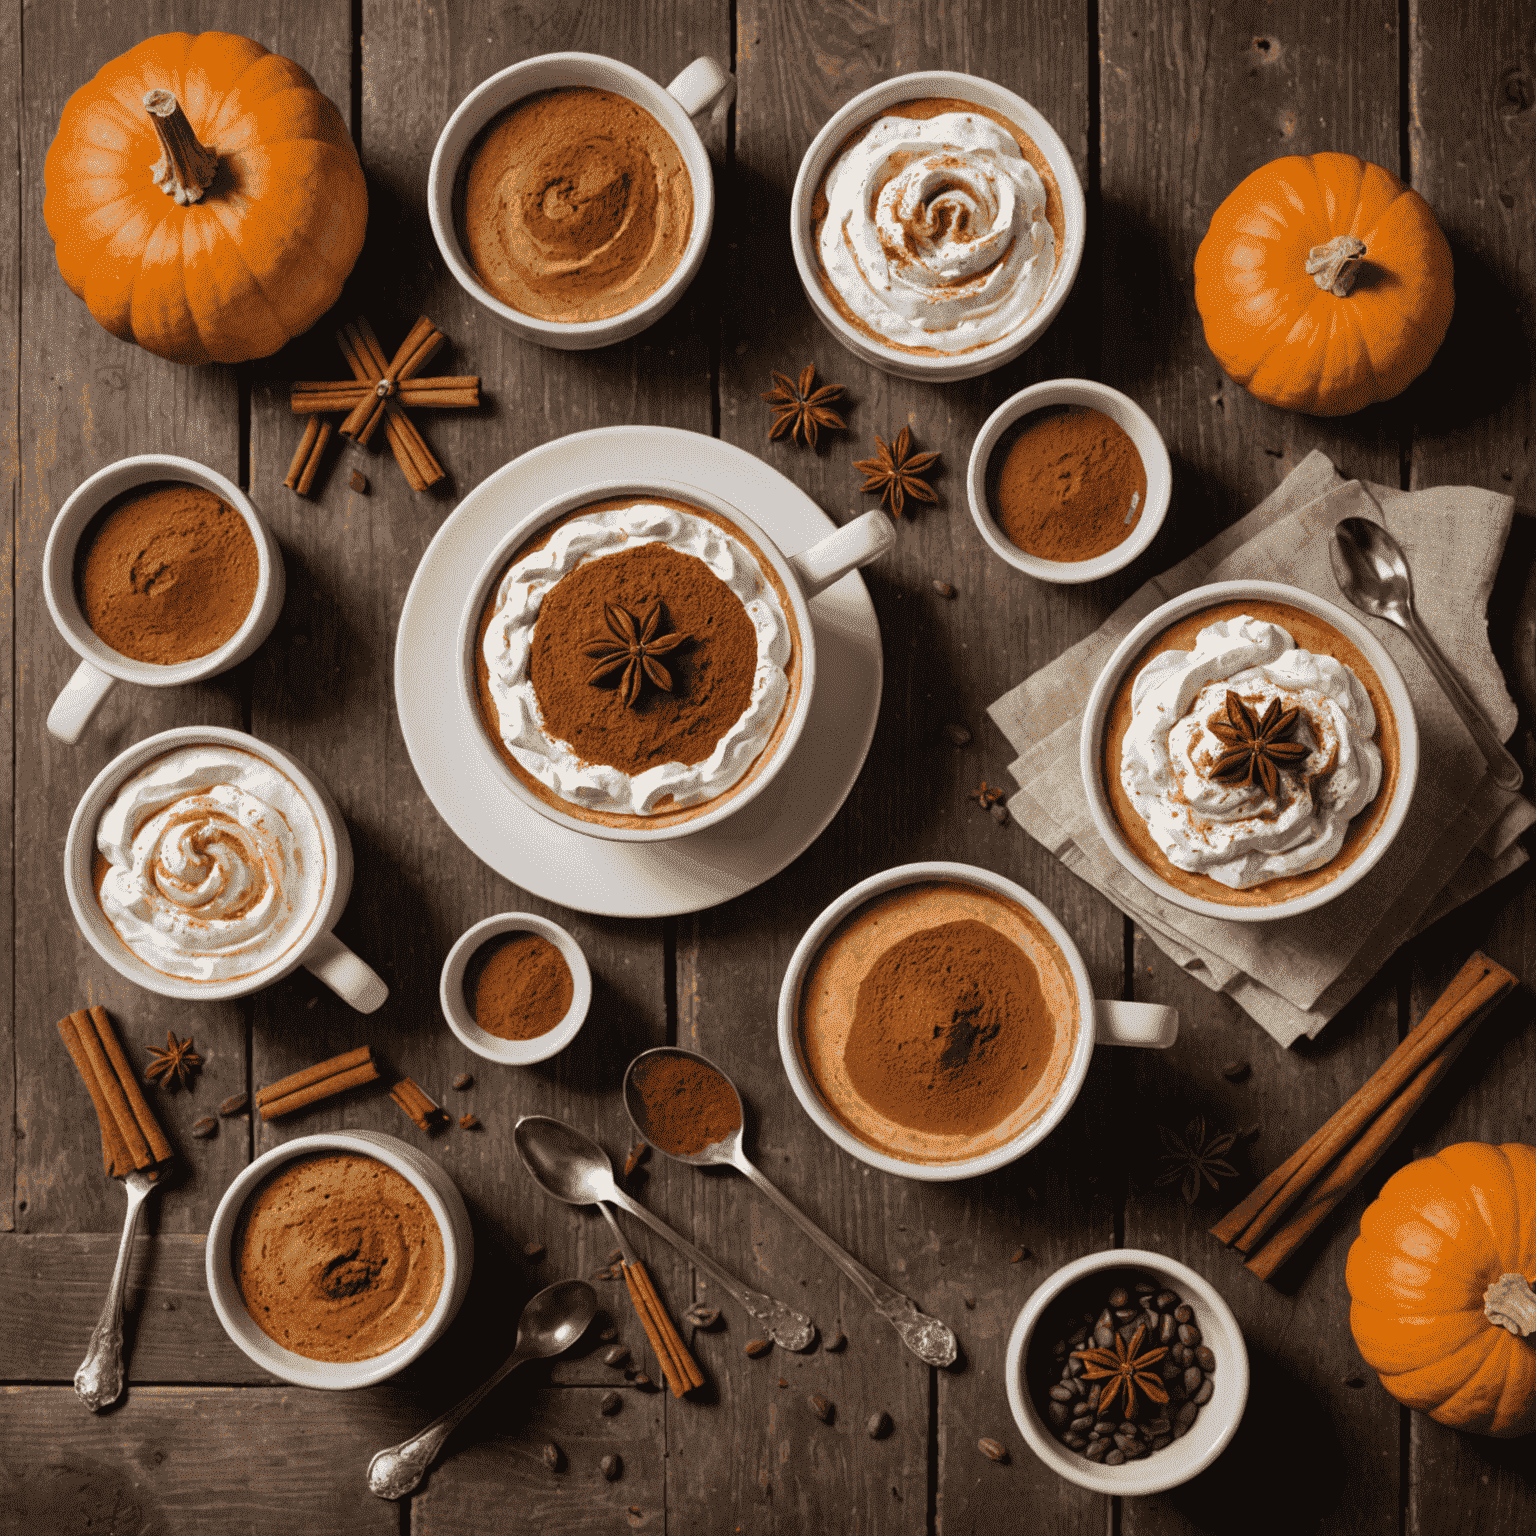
<point>1305,1189</point>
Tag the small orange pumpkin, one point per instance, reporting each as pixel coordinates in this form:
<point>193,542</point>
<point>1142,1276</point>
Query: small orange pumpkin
<point>1440,1278</point>
<point>204,198</point>
<point>1324,283</point>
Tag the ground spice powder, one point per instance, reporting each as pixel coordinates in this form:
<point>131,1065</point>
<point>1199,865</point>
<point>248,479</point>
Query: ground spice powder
<point>167,573</point>
<point>518,986</point>
<point>950,1031</point>
<point>1066,483</point>
<point>687,1104</point>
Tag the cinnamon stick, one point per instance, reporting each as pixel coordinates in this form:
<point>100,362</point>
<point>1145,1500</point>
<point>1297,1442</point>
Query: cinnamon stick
<point>677,1365</point>
<point>447,390</point>
<point>306,458</point>
<point>425,1111</point>
<point>360,347</point>
<point>130,1134</point>
<point>322,1081</point>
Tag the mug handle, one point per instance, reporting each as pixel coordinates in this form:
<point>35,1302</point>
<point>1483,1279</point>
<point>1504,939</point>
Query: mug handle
<point>353,980</point>
<point>864,539</point>
<point>80,699</point>
<point>1147,1024</point>
<point>704,84</point>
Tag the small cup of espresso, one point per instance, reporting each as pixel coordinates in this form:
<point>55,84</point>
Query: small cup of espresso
<point>157,571</point>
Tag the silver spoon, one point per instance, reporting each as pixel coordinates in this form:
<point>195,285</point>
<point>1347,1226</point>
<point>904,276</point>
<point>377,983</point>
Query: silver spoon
<point>930,1340</point>
<point>573,1168</point>
<point>1372,572</point>
<point>99,1381</point>
<point>551,1322</point>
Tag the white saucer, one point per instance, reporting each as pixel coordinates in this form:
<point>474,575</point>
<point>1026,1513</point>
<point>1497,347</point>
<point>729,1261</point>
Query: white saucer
<point>587,873</point>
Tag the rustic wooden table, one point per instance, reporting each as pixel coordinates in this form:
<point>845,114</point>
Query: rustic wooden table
<point>1165,105</point>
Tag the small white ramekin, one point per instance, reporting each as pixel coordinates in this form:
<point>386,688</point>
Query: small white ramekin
<point>455,1006</point>
<point>1136,425</point>
<point>936,368</point>
<point>1092,734</point>
<point>443,1200</point>
<point>1218,1420</point>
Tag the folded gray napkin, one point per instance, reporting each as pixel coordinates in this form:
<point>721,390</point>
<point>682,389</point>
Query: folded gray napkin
<point>1459,836</point>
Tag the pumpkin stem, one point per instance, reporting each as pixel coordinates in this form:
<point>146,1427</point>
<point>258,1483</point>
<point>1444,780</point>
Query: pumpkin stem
<point>185,169</point>
<point>1335,265</point>
<point>1511,1303</point>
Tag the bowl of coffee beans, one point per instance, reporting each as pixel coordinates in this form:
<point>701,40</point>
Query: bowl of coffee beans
<point>1127,1372</point>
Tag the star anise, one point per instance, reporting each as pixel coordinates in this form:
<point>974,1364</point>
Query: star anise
<point>1191,1157</point>
<point>1124,1369</point>
<point>634,647</point>
<point>1256,744</point>
<point>801,411</point>
<point>175,1064</point>
<point>896,472</point>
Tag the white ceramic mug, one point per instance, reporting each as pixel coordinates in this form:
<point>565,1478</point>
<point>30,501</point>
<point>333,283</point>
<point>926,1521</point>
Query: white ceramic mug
<point>802,576</point>
<point>430,1182</point>
<point>100,666</point>
<point>1131,420</point>
<point>318,950</point>
<point>867,105</point>
<point>1091,736</point>
<point>1114,1023</point>
<point>703,88</point>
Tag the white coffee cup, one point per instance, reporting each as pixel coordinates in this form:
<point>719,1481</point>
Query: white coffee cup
<point>100,665</point>
<point>430,1182</point>
<point>802,576</point>
<point>869,104</point>
<point>1113,1023</point>
<point>704,87</point>
<point>318,950</point>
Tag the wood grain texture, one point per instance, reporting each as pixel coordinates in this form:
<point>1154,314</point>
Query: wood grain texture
<point>10,480</point>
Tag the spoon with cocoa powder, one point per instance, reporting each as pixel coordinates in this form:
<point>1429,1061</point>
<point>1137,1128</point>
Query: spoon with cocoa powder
<point>686,1107</point>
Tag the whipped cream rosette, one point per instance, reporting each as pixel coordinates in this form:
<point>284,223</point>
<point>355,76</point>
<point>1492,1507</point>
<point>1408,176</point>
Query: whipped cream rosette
<point>936,235</point>
<point>1238,833</point>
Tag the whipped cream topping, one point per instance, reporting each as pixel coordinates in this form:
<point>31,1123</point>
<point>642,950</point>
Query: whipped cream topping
<point>508,646</point>
<point>217,864</point>
<point>935,234</point>
<point>1238,834</point>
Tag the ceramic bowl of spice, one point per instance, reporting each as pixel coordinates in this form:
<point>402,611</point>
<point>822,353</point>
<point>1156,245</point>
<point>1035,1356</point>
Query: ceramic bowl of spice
<point>1084,1332</point>
<point>1069,480</point>
<point>516,988</point>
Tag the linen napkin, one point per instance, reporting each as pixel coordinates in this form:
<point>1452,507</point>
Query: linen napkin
<point>1459,837</point>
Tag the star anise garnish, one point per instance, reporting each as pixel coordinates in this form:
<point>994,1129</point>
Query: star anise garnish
<point>801,411</point>
<point>896,472</point>
<point>634,647</point>
<point>1191,1157</point>
<point>1124,1368</point>
<point>1256,744</point>
<point>175,1064</point>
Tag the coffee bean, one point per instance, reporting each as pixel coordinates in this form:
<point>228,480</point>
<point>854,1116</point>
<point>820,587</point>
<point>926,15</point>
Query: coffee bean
<point>878,1425</point>
<point>1151,1321</point>
<point>642,1381</point>
<point>821,1407</point>
<point>1115,1458</point>
<point>1193,1376</point>
<point>1105,1427</point>
<point>1000,814</point>
<point>1167,1327</point>
<point>1204,1395</point>
<point>756,1347</point>
<point>993,1450</point>
<point>1205,1359</point>
<point>1128,1331</point>
<point>1062,1394</point>
<point>1106,1319</point>
<point>1103,1336</point>
<point>1137,1450</point>
<point>1119,1296</point>
<point>205,1127</point>
<point>1058,1413</point>
<point>1081,1410</point>
<point>1077,1442</point>
<point>533,1250</point>
<point>551,1455</point>
<point>611,1466</point>
<point>1076,1367</point>
<point>1080,1337</point>
<point>464,1080</point>
<point>1158,1426</point>
<point>1184,1312</point>
<point>610,1404</point>
<point>1176,1392</point>
<point>837,1342</point>
<point>1166,1301</point>
<point>608,1334</point>
<point>233,1104</point>
<point>1187,1414</point>
<point>944,589</point>
<point>1189,1334</point>
<point>1145,1287</point>
<point>1096,1450</point>
<point>1159,1441</point>
<point>616,1357</point>
<point>957,734</point>
<point>1235,1071</point>
<point>1181,1354</point>
<point>1125,1314</point>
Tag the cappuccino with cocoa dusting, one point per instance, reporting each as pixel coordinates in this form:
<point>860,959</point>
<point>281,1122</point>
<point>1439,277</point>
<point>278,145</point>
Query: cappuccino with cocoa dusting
<point>576,205</point>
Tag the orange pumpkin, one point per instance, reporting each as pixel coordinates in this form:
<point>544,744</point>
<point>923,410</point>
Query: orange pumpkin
<point>1440,1278</point>
<point>1324,284</point>
<point>204,198</point>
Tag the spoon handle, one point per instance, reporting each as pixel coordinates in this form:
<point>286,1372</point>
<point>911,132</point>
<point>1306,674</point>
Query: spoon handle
<point>930,1340</point>
<point>99,1381</point>
<point>397,1469</point>
<point>786,1327</point>
<point>1505,770</point>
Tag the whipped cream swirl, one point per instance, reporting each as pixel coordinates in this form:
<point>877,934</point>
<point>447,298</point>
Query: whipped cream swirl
<point>508,646</point>
<point>1238,834</point>
<point>217,864</point>
<point>935,234</point>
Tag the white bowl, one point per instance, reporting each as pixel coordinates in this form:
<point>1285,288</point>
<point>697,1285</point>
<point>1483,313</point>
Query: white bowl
<point>1091,736</point>
<point>870,104</point>
<point>443,1200</point>
<point>1136,425</point>
<point>1218,1420</point>
<point>515,1053</point>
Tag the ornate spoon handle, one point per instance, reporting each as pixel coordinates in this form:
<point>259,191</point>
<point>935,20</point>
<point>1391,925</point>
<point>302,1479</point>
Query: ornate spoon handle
<point>99,1381</point>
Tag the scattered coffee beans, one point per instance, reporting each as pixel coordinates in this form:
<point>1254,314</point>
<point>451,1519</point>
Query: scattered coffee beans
<point>233,1104</point>
<point>610,1404</point>
<point>607,1333</point>
<point>205,1127</point>
<point>821,1407</point>
<point>611,1467</point>
<point>993,1450</point>
<point>958,735</point>
<point>878,1425</point>
<point>701,1316</point>
<point>643,1381</point>
<point>836,1342</point>
<point>551,1455</point>
<point>1235,1071</point>
<point>533,1250</point>
<point>944,589</point>
<point>616,1357</point>
<point>756,1347</point>
<point>464,1080</point>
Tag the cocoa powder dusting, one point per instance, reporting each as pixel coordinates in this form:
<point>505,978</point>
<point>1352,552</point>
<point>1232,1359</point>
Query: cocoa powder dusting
<point>688,1105</point>
<point>950,1031</point>
<point>518,986</point>
<point>166,573</point>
